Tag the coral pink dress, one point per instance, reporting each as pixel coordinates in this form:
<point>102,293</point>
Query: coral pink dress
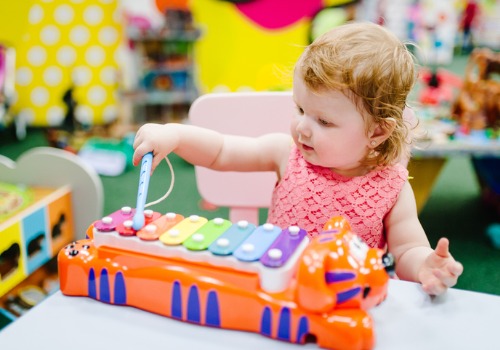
<point>309,195</point>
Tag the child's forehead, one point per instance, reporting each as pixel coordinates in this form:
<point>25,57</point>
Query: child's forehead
<point>321,92</point>
<point>325,101</point>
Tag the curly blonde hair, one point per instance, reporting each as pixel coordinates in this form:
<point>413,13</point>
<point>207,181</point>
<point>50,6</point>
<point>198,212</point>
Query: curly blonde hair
<point>373,68</point>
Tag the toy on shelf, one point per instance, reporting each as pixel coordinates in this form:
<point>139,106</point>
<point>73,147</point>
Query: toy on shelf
<point>467,21</point>
<point>163,86</point>
<point>13,198</point>
<point>478,104</point>
<point>200,271</point>
<point>108,156</point>
<point>439,88</point>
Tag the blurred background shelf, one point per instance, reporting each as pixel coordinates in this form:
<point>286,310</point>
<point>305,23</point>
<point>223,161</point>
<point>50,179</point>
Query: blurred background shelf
<point>164,83</point>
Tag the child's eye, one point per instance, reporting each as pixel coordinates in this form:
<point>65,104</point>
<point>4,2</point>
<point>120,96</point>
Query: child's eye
<point>323,122</point>
<point>300,110</point>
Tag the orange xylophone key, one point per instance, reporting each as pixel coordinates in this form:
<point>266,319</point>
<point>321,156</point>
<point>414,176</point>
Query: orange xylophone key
<point>152,231</point>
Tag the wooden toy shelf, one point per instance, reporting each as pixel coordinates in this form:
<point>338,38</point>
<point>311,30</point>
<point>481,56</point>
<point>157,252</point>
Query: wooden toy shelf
<point>47,198</point>
<point>31,235</point>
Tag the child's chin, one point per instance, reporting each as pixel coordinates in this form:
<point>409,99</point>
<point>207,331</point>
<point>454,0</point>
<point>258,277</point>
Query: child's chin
<point>310,159</point>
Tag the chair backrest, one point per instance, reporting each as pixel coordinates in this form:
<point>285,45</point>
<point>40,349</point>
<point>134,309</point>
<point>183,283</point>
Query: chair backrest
<point>248,114</point>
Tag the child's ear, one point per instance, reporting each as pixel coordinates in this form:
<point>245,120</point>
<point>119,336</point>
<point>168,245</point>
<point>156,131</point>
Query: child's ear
<point>381,131</point>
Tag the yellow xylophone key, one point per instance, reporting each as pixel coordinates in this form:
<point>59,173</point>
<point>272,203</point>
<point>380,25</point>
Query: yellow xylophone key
<point>183,230</point>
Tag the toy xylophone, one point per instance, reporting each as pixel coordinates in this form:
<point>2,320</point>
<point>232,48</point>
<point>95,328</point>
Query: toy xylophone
<point>263,279</point>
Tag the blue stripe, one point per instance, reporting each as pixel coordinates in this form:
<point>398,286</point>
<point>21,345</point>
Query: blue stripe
<point>193,312</point>
<point>332,277</point>
<point>265,322</point>
<point>348,294</point>
<point>333,231</point>
<point>326,237</point>
<point>92,291</point>
<point>120,290</point>
<point>104,294</point>
<point>213,313</point>
<point>284,324</point>
<point>303,330</point>
<point>176,302</point>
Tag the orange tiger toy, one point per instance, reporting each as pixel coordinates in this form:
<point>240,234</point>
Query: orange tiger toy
<point>215,273</point>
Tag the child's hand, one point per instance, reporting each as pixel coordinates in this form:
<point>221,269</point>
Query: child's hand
<point>439,270</point>
<point>156,138</point>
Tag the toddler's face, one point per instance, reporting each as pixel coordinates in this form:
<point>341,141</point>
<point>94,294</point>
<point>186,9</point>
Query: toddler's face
<point>329,130</point>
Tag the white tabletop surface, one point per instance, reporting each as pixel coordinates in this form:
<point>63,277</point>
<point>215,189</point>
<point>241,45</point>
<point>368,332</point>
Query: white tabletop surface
<point>408,319</point>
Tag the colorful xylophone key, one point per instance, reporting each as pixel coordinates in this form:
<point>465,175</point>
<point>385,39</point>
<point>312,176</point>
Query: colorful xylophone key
<point>153,230</point>
<point>180,232</point>
<point>110,222</point>
<point>230,240</point>
<point>283,247</point>
<point>205,235</point>
<point>126,228</point>
<point>257,243</point>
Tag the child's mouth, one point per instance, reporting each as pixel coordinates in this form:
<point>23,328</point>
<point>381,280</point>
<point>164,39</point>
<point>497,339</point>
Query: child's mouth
<point>307,148</point>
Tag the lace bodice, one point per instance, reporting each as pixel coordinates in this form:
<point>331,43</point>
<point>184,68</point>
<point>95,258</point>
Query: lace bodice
<point>309,195</point>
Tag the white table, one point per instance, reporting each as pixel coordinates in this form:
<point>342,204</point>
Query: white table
<point>408,319</point>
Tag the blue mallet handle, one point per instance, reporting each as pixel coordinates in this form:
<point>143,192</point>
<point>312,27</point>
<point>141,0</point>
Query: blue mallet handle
<point>145,175</point>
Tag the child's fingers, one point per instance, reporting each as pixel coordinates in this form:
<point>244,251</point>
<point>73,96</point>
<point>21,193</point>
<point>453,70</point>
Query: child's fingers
<point>447,279</point>
<point>156,161</point>
<point>137,140</point>
<point>442,248</point>
<point>455,268</point>
<point>139,152</point>
<point>434,288</point>
<point>136,158</point>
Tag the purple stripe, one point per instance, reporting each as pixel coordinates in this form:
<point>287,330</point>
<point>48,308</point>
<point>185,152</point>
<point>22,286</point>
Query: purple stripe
<point>332,277</point>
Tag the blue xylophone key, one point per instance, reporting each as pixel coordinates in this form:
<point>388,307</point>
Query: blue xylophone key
<point>257,243</point>
<point>227,243</point>
<point>283,247</point>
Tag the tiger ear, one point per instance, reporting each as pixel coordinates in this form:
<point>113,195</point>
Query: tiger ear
<point>312,291</point>
<point>337,223</point>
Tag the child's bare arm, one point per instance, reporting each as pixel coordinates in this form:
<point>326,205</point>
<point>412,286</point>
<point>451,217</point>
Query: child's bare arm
<point>416,261</point>
<point>208,148</point>
<point>162,139</point>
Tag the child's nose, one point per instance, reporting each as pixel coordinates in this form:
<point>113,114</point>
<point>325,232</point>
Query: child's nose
<point>303,127</point>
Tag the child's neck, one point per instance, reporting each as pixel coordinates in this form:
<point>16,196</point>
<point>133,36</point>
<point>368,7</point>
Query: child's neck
<point>353,172</point>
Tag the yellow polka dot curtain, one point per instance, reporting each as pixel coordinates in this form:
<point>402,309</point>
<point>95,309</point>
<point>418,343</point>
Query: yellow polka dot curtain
<point>69,44</point>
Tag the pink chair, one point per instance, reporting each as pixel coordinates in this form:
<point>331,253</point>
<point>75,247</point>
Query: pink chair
<point>248,114</point>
